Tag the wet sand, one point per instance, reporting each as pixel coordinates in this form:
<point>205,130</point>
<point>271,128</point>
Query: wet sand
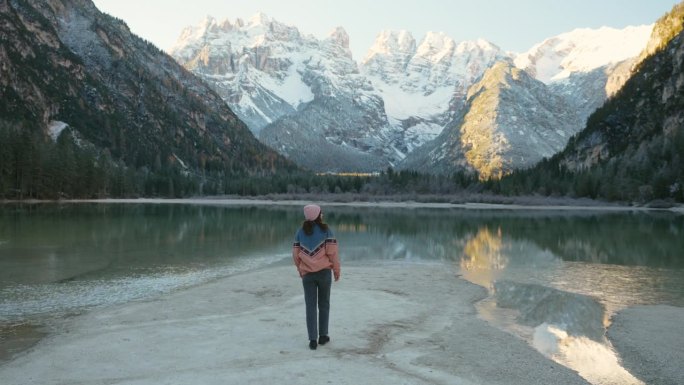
<point>15,339</point>
<point>650,340</point>
<point>408,324</point>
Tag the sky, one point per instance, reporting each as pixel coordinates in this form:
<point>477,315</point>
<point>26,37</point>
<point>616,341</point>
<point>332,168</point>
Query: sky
<point>512,25</point>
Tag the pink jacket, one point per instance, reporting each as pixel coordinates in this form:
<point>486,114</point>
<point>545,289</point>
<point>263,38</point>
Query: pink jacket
<point>322,253</point>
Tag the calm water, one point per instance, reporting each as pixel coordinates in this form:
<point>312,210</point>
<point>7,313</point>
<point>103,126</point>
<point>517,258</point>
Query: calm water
<point>62,259</point>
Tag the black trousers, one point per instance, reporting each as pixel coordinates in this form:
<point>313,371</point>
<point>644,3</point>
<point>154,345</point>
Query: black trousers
<point>317,294</point>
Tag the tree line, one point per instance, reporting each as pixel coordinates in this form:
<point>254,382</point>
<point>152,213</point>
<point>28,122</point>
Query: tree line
<point>645,172</point>
<point>34,166</point>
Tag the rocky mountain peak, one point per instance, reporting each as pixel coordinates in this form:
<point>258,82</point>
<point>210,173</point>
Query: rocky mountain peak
<point>259,30</point>
<point>436,46</point>
<point>259,18</point>
<point>389,55</point>
<point>509,121</point>
<point>391,43</point>
<point>476,45</point>
<point>501,74</point>
<point>340,36</point>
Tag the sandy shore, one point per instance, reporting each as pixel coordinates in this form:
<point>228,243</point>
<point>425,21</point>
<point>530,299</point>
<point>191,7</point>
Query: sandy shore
<point>650,340</point>
<point>390,324</point>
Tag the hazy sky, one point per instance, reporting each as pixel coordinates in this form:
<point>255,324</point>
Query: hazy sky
<point>512,25</point>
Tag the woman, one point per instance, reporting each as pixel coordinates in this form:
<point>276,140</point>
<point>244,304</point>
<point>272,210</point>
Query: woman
<point>315,254</point>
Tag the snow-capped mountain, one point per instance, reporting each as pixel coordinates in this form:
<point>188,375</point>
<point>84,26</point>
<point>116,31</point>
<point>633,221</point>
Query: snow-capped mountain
<point>308,99</point>
<point>344,126</point>
<point>423,85</point>
<point>255,65</point>
<point>513,119</point>
<point>631,147</point>
<point>586,66</point>
<point>302,96</point>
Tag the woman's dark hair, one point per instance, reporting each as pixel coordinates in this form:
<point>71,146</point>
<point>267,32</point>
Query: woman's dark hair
<point>308,226</point>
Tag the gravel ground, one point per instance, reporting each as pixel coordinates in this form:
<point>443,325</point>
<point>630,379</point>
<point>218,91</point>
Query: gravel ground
<point>390,324</point>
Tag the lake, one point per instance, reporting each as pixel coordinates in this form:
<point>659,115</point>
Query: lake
<point>541,268</point>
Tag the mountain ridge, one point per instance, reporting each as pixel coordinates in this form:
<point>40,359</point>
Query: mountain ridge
<point>398,98</point>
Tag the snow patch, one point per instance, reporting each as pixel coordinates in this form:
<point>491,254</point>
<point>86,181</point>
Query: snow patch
<point>402,104</point>
<point>180,161</point>
<point>391,42</point>
<point>583,50</point>
<point>291,88</point>
<point>55,129</point>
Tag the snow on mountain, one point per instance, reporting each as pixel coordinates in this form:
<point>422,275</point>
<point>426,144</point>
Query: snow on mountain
<point>280,81</point>
<point>287,86</point>
<point>344,126</point>
<point>582,50</point>
<point>585,66</point>
<point>255,65</point>
<point>513,119</point>
<point>423,84</point>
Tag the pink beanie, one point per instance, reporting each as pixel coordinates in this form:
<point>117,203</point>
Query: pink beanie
<point>311,212</point>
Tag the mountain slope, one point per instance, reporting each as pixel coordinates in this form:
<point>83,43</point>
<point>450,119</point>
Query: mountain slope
<point>509,121</point>
<point>423,85</point>
<point>344,127</point>
<point>64,61</point>
<point>645,108</point>
<point>585,66</point>
<point>255,65</point>
<point>304,97</point>
<point>632,147</point>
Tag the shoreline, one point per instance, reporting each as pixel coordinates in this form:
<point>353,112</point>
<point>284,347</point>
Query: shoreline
<point>387,325</point>
<point>408,204</point>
